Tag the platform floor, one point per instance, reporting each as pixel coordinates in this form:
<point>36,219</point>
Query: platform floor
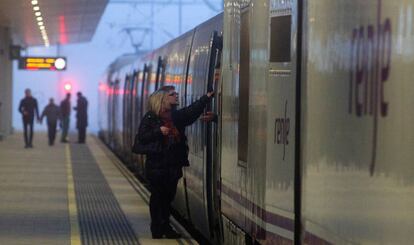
<point>71,194</point>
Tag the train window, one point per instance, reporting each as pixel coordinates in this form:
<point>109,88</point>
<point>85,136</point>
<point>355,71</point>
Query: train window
<point>162,64</point>
<point>244,88</point>
<point>164,67</point>
<point>280,38</point>
<point>144,92</point>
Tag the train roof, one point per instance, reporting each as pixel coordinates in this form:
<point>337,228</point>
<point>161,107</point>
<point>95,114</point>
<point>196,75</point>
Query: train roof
<point>122,61</point>
<point>208,22</point>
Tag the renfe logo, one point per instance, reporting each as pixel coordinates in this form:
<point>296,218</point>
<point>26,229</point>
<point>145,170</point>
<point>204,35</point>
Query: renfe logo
<point>282,126</point>
<point>370,70</point>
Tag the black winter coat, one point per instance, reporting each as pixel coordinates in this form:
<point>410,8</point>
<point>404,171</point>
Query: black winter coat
<point>150,139</point>
<point>81,113</point>
<point>29,105</point>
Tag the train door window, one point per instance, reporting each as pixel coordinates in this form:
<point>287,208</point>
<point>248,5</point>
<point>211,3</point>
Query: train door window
<point>164,67</point>
<point>143,92</point>
<point>280,32</point>
<point>115,108</point>
<point>146,80</point>
<point>110,105</point>
<point>137,99</point>
<point>125,105</point>
<point>244,88</point>
<point>150,82</point>
<point>161,72</point>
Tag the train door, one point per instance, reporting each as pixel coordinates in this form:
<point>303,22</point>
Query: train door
<point>136,115</point>
<point>128,114</point>
<point>241,167</point>
<point>212,147</point>
<point>117,120</point>
<point>114,112</point>
<point>160,77</point>
<point>282,171</point>
<point>139,110</point>
<point>200,75</point>
<point>145,88</point>
<point>125,121</point>
<point>131,112</point>
<point>110,110</point>
<point>259,141</point>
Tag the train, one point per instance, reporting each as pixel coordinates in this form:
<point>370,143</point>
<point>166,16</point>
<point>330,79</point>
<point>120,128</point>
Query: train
<point>314,137</point>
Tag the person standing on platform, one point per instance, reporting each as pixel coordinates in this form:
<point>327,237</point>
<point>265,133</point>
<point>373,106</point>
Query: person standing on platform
<point>28,108</point>
<point>65,118</point>
<point>81,117</point>
<point>52,113</point>
<point>161,137</point>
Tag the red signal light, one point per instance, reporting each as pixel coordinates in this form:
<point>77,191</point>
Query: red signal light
<point>67,87</point>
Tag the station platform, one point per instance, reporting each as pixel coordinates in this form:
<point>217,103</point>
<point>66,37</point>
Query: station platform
<point>71,194</point>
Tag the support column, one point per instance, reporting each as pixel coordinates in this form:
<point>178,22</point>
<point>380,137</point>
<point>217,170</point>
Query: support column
<point>6,83</point>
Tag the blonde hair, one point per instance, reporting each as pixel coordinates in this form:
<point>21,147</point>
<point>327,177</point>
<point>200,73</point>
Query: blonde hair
<point>156,99</point>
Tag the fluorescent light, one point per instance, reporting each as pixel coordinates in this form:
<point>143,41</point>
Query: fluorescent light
<point>40,22</point>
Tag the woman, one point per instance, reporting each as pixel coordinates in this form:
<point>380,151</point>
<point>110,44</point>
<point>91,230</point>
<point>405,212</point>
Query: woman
<point>161,137</point>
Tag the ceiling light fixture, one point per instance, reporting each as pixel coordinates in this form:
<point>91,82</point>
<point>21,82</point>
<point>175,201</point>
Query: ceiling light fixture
<point>40,23</point>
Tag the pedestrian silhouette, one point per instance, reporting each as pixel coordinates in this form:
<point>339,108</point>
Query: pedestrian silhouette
<point>65,118</point>
<point>52,114</point>
<point>81,117</point>
<point>28,108</point>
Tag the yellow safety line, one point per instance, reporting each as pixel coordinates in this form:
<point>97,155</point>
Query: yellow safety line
<point>73,210</point>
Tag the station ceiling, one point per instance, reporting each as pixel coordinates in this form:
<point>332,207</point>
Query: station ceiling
<point>65,21</point>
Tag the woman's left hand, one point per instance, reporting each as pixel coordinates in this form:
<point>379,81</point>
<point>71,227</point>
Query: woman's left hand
<point>208,117</point>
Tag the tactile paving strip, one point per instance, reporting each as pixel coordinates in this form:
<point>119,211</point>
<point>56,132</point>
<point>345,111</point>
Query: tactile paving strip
<point>101,220</point>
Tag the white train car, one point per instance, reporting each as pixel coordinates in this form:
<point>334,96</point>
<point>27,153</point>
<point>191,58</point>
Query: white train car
<point>357,130</point>
<point>314,141</point>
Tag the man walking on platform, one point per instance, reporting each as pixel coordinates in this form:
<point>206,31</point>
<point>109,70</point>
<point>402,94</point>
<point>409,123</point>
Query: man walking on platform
<point>65,118</point>
<point>28,108</point>
<point>52,113</point>
<point>81,117</point>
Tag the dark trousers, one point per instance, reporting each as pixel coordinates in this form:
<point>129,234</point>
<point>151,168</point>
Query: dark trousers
<point>82,135</point>
<point>51,132</point>
<point>65,128</point>
<point>28,126</point>
<point>163,188</point>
